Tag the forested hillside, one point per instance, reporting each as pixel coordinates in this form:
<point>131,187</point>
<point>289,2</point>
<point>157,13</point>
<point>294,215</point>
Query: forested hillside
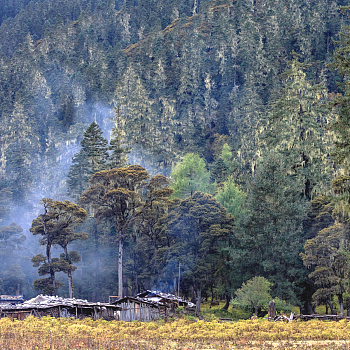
<point>214,134</point>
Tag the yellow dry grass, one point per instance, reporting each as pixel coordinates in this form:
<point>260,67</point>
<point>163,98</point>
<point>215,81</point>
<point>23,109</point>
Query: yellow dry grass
<point>59,334</point>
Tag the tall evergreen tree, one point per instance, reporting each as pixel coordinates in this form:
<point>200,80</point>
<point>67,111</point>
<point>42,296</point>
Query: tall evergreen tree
<point>341,63</point>
<point>297,128</point>
<point>91,158</point>
<point>118,157</point>
<point>270,233</point>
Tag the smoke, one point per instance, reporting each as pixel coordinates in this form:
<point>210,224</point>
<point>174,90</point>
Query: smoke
<point>52,167</point>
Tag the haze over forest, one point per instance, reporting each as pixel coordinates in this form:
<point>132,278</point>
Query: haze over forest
<point>216,134</point>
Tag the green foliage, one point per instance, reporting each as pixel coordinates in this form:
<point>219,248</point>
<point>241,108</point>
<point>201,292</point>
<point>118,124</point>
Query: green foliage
<point>297,129</point>
<point>118,157</point>
<point>319,217</point>
<point>341,101</point>
<point>327,254</point>
<point>226,154</point>
<point>254,293</point>
<point>5,197</point>
<point>181,73</point>
<point>91,158</point>
<point>189,176</point>
<point>231,198</point>
<point>282,306</point>
<point>56,226</point>
<point>270,233</point>
<point>18,171</point>
<point>115,196</point>
<point>198,231</point>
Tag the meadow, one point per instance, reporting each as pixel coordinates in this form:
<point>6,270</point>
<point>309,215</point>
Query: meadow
<point>186,334</point>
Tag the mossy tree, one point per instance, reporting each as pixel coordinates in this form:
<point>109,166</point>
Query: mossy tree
<point>56,226</point>
<point>116,195</point>
<point>297,128</point>
<point>327,254</point>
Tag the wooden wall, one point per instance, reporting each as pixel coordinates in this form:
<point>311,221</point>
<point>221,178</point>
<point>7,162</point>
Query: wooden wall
<point>137,311</point>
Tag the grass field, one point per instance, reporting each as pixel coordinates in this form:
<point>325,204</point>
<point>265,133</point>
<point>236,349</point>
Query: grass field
<point>59,334</point>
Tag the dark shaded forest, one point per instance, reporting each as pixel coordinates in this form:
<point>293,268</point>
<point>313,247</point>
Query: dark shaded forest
<point>141,141</point>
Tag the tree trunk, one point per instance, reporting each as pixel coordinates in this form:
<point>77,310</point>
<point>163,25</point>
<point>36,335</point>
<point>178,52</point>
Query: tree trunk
<point>48,256</point>
<point>272,309</point>
<point>331,307</point>
<point>96,296</point>
<point>70,284</point>
<point>307,309</point>
<point>120,265</point>
<point>227,304</point>
<point>134,273</point>
<point>341,304</point>
<point>198,301</point>
<point>70,275</point>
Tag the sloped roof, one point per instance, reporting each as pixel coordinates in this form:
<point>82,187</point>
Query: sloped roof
<point>11,298</point>
<point>47,301</point>
<point>138,300</point>
<point>163,297</point>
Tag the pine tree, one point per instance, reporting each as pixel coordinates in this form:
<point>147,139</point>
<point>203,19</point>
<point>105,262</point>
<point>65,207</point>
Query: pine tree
<point>91,158</point>
<point>5,197</point>
<point>297,129</point>
<point>341,103</point>
<point>19,172</point>
<point>341,60</point>
<point>68,217</point>
<point>270,231</point>
<point>118,157</point>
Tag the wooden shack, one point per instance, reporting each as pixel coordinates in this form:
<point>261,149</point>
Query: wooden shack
<point>59,307</point>
<point>136,309</point>
<point>170,300</point>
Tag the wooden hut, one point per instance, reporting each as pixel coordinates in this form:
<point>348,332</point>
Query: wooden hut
<point>170,300</point>
<point>136,309</point>
<point>59,307</point>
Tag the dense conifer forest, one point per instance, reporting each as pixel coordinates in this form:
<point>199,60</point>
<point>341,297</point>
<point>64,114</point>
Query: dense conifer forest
<point>145,140</point>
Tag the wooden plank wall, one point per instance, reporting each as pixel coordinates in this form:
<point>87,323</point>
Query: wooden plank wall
<point>132,311</point>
